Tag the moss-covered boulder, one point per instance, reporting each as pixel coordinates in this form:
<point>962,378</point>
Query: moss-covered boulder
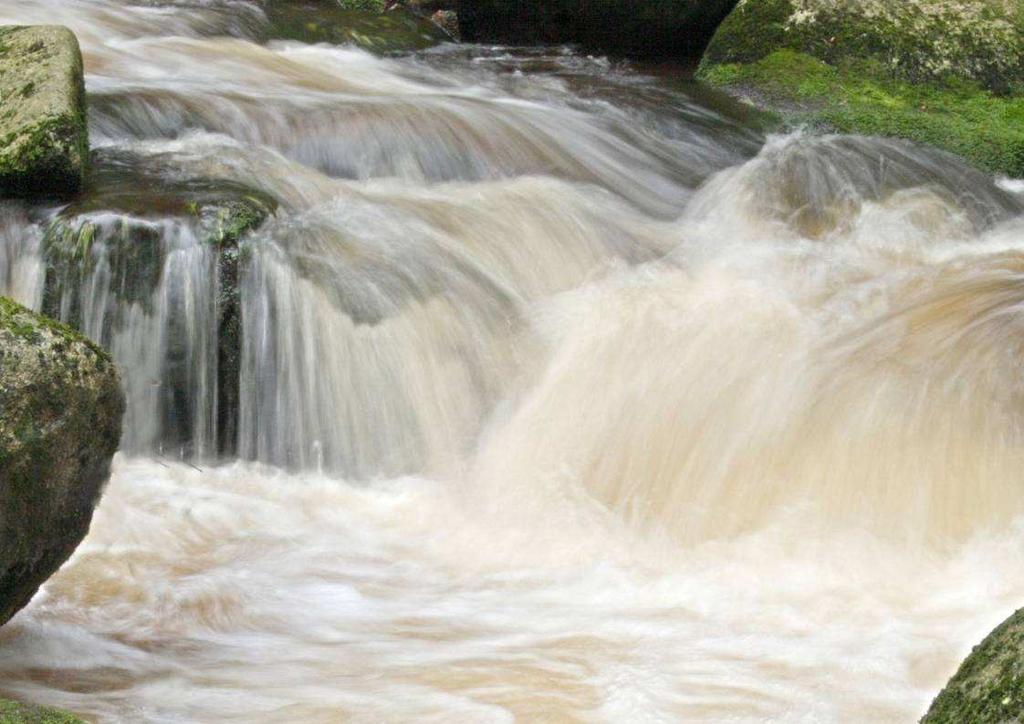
<point>60,424</point>
<point>11,712</point>
<point>939,72</point>
<point>915,40</point>
<point>989,687</point>
<point>44,144</point>
<point>677,29</point>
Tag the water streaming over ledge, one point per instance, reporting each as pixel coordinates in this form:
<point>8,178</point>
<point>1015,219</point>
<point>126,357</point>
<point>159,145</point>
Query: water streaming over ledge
<point>561,395</point>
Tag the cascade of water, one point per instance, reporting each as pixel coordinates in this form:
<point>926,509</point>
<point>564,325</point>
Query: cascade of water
<point>538,388</point>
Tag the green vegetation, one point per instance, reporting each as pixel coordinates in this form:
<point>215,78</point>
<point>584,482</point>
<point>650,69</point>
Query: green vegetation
<point>859,97</point>
<point>947,74</point>
<point>14,713</point>
<point>916,40</point>
<point>989,687</point>
<point>228,221</point>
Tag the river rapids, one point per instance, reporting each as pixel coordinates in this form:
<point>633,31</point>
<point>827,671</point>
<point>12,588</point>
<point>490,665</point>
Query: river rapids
<point>563,395</point>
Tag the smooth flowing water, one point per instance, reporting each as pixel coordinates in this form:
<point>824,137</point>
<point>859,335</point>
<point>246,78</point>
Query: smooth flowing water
<point>562,395</point>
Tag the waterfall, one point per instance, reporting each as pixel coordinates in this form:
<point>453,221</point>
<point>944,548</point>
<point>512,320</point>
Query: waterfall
<point>483,384</point>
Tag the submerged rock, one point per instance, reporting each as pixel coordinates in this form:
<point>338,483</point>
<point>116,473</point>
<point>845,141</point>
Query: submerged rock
<point>352,23</point>
<point>44,144</point>
<point>989,687</point>
<point>60,424</point>
<point>107,258</point>
<point>677,29</point>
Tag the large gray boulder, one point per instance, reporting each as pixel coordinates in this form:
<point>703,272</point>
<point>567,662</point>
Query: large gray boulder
<point>675,29</point>
<point>60,424</point>
<point>44,144</point>
<point>989,687</point>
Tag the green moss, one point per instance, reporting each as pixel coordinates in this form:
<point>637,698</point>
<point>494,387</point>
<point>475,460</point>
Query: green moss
<point>989,687</point>
<point>47,153</point>
<point>14,713</point>
<point>859,97</point>
<point>227,222</point>
<point>751,32</point>
<point>60,421</point>
<point>43,135</point>
<point>915,40</point>
<point>26,325</point>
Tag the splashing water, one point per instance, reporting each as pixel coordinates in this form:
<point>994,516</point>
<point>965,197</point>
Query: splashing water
<point>563,396</point>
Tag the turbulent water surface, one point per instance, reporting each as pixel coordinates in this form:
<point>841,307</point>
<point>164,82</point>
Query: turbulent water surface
<point>563,396</point>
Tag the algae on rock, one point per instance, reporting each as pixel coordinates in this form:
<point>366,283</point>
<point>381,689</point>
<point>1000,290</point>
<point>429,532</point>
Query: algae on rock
<point>917,40</point>
<point>989,686</point>
<point>60,424</point>
<point>932,71</point>
<point>44,145</point>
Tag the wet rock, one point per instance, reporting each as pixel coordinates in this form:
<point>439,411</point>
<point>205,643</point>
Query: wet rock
<point>676,29</point>
<point>989,687</point>
<point>60,424</point>
<point>44,145</point>
<point>396,30</point>
<point>442,13</point>
<point>130,217</point>
<point>229,222</point>
<point>447,20</point>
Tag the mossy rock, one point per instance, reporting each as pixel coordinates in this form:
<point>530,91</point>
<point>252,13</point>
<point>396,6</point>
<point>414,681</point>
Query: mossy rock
<point>123,208</point>
<point>11,712</point>
<point>946,73</point>
<point>677,29</point>
<point>60,424</point>
<point>989,687</point>
<point>359,22</point>
<point>44,144</point>
<point>800,90</point>
<point>916,40</point>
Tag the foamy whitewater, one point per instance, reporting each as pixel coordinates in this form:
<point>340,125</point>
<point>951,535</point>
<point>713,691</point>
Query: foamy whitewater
<point>563,396</point>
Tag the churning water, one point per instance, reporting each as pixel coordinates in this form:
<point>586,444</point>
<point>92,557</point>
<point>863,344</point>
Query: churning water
<point>561,396</point>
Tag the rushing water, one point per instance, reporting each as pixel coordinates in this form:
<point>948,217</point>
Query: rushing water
<point>563,396</point>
